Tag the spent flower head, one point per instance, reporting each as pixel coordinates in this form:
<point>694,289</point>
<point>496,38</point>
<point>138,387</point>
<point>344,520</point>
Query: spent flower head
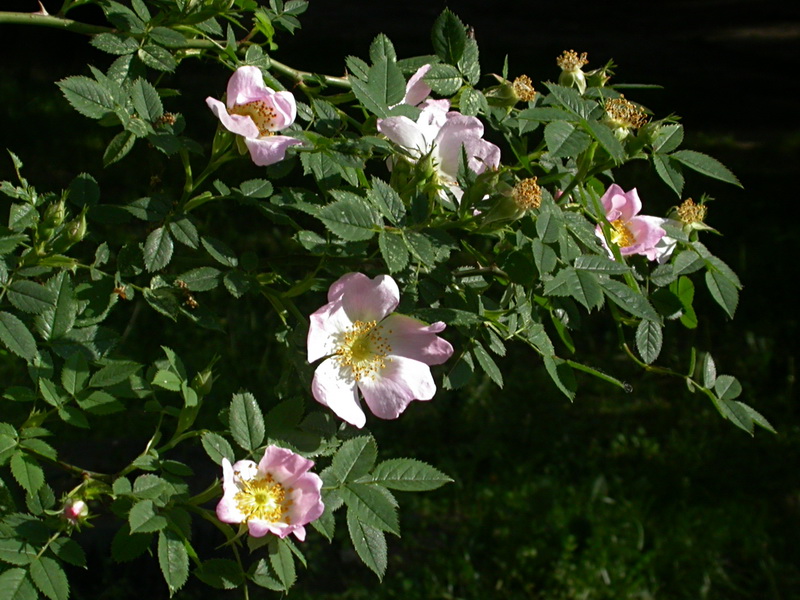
<point>622,115</point>
<point>523,88</point>
<point>691,213</point>
<point>527,194</point>
<point>571,64</point>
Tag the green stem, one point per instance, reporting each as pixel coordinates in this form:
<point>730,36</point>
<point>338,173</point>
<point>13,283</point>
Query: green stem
<point>306,77</point>
<point>21,18</point>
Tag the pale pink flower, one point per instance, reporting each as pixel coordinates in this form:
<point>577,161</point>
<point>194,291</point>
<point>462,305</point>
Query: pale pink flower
<point>442,134</point>
<point>631,232</point>
<point>367,348</point>
<point>278,495</point>
<point>256,112</point>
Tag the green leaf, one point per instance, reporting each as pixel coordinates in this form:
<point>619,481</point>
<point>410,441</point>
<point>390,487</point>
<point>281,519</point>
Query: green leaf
<point>30,297</point>
<point>670,172</point>
<point>185,232</point>
<point>369,543</point>
<point>16,552</point>
<point>581,285</point>
<point>571,99</point>
<point>469,63</point>
<point>444,79</point>
<point>118,147</point>
<point>87,96</point>
<point>727,387</point>
<point>201,279</point>
<point>472,102</point>
<point>629,300</point>
<point>357,67</point>
<point>84,191</point>
<point>168,38</point>
<point>115,43</point>
<point>146,100</point>
<point>149,486</point>
<point>16,337</point>
<point>167,380</point>
<point>173,560</point>
<point>394,252</point>
<point>50,392</point>
<point>380,48</point>
<point>407,475</point>
<point>606,137</point>
<point>565,140</point>
<point>354,458</point>
<point>75,373</point>
<point>723,290</point>
<point>702,163</point>
<point>246,421</point>
<point>127,546</point>
<point>158,249</point>
<point>600,264</point>
<point>649,338</point>
<point>162,300</point>
<point>50,578</point>
<point>27,472</point>
<point>282,561</point>
<point>449,37</point>
<point>15,585</point>
<point>217,447</point>
<point>561,374</point>
<point>144,519</point>
<point>386,83</point>
<point>220,251</point>
<point>487,364</point>
<point>387,201</point>
<point>220,573</point>
<point>367,96</point>
<point>256,188</point>
<point>69,551</point>
<point>669,137</point>
<point>350,218</point>
<point>59,319</point>
<point>114,372</point>
<point>9,242</point>
<point>371,506</point>
<point>157,58</point>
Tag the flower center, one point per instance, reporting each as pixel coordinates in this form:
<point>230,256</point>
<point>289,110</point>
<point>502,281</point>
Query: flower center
<point>689,212</point>
<point>527,194</point>
<point>264,499</point>
<point>621,235</point>
<point>363,349</point>
<point>262,114</point>
<point>571,60</point>
<point>624,113</point>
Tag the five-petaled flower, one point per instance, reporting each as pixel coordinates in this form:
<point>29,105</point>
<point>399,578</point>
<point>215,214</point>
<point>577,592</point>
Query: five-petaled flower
<point>442,133</point>
<point>256,112</point>
<point>366,347</point>
<point>278,495</point>
<point>631,232</point>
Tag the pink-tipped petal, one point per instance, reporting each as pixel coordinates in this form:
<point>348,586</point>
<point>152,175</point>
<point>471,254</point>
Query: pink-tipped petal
<point>237,124</point>
<point>269,150</point>
<point>246,85</point>
<point>416,88</point>
<point>286,107</point>
<point>413,339</point>
<point>338,392</point>
<point>400,382</point>
<point>284,465</point>
<point>365,299</point>
<point>647,232</point>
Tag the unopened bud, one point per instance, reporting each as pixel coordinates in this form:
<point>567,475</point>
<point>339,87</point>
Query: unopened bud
<point>75,511</point>
<point>203,381</point>
<point>54,214</point>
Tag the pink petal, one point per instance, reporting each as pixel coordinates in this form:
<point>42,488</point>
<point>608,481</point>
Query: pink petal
<point>416,88</point>
<point>481,154</point>
<point>246,85</point>
<point>269,150</point>
<point>400,382</point>
<point>619,204</point>
<point>411,338</point>
<point>307,503</point>
<point>334,389</point>
<point>258,528</point>
<point>238,124</point>
<point>286,107</point>
<point>325,327</point>
<point>365,299</point>
<point>646,231</point>
<point>284,465</point>
<point>405,133</point>
<point>454,133</point>
<point>227,509</point>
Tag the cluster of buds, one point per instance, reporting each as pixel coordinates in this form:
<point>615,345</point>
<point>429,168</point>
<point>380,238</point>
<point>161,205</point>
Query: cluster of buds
<point>53,234</point>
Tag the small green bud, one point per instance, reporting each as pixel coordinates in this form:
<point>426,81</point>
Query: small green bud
<point>203,381</point>
<point>54,214</point>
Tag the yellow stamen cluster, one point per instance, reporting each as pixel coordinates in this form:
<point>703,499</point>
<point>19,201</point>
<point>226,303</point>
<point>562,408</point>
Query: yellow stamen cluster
<point>689,212</point>
<point>263,115</point>
<point>167,118</point>
<point>621,235</point>
<point>571,61</point>
<point>523,88</point>
<point>363,349</point>
<point>625,113</point>
<point>527,194</point>
<point>264,499</point>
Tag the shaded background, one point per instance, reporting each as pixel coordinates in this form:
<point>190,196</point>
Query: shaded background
<point>641,495</point>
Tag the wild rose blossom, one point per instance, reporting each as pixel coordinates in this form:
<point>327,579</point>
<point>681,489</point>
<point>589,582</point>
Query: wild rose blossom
<point>441,133</point>
<point>256,112</point>
<point>367,348</point>
<point>278,495</point>
<point>632,232</point>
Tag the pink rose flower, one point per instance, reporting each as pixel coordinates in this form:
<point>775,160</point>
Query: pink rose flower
<point>442,134</point>
<point>256,112</point>
<point>632,232</point>
<point>278,495</point>
<point>367,348</point>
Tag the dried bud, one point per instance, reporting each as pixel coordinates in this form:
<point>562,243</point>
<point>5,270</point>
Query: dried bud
<point>527,194</point>
<point>523,88</point>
